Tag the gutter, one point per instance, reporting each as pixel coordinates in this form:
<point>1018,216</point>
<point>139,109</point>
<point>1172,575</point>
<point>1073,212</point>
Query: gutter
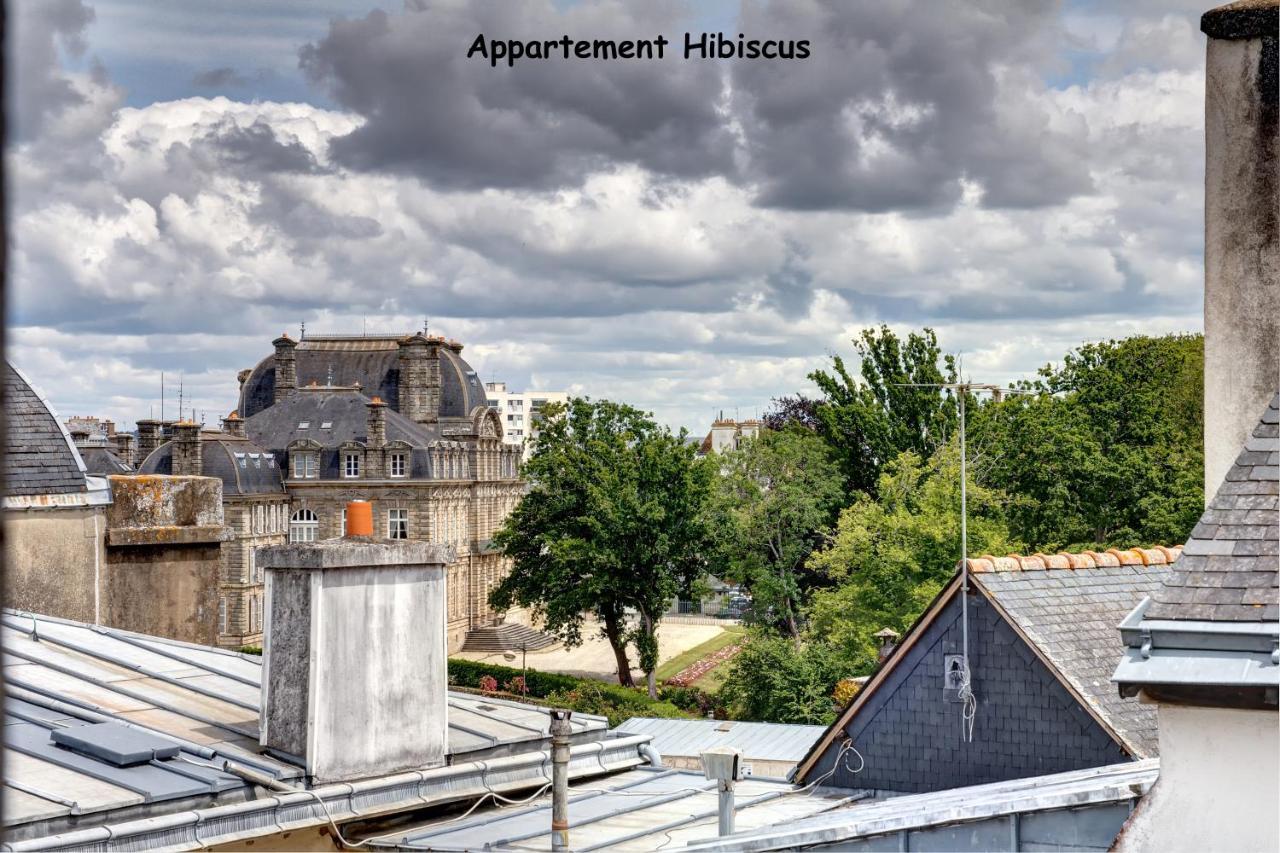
<point>344,801</point>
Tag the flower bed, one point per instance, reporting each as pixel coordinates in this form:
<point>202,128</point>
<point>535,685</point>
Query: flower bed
<point>693,672</point>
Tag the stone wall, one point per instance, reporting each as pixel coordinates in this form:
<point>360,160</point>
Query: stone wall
<point>53,560</point>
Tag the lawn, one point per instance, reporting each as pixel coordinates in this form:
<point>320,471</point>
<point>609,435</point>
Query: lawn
<point>731,634</point>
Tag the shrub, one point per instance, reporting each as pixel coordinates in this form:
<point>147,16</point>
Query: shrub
<point>772,681</point>
<point>488,684</point>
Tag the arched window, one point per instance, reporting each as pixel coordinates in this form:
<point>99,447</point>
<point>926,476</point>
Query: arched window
<point>303,526</point>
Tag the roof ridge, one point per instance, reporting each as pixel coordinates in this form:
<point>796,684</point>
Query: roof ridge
<point>1160,555</point>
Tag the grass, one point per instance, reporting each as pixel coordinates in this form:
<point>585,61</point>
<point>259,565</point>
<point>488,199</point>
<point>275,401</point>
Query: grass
<point>731,634</point>
<point>714,678</point>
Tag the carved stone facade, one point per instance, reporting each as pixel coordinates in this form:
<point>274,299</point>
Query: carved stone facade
<point>403,423</point>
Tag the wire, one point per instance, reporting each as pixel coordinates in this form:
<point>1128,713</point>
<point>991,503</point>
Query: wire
<point>969,708</point>
<point>841,760</point>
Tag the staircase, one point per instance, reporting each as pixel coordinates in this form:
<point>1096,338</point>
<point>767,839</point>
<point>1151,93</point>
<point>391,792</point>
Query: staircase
<point>511,637</point>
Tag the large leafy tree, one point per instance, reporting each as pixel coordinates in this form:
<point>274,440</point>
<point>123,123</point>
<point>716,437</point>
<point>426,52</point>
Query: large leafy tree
<point>891,554</point>
<point>613,524</point>
<point>895,406</point>
<point>1108,449</point>
<point>773,680</point>
<point>774,499</point>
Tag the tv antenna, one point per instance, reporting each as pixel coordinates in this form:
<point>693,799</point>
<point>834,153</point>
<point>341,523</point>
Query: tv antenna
<point>962,390</point>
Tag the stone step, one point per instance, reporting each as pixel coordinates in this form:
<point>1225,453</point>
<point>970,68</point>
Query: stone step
<point>506,638</point>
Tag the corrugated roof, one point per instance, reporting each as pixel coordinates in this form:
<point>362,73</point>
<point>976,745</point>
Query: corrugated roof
<point>61,673</point>
<point>1230,569</point>
<point>1118,783</point>
<point>757,741</point>
<point>642,809</point>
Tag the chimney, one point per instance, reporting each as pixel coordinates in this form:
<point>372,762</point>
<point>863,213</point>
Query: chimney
<point>376,439</point>
<point>888,641</point>
<point>233,424</point>
<point>286,366</point>
<point>79,435</point>
<point>419,384</point>
<point>150,436</point>
<point>354,679</point>
<point>187,458</point>
<point>123,442</point>
<point>1241,240</point>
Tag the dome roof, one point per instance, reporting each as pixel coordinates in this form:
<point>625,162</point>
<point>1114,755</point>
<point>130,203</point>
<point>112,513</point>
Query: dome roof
<point>244,467</point>
<point>371,362</point>
<point>40,458</point>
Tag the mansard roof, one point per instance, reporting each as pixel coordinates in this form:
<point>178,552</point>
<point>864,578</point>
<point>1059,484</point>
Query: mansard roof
<point>244,467</point>
<point>370,362</point>
<point>331,417</point>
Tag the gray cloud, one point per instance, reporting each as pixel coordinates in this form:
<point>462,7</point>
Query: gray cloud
<point>459,123</point>
<point>40,31</point>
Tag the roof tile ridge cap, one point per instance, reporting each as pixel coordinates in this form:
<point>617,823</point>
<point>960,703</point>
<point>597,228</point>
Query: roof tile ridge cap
<point>1126,557</point>
<point>982,564</point>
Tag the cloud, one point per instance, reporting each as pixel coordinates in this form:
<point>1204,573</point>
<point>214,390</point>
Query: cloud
<point>678,251</point>
<point>540,125</point>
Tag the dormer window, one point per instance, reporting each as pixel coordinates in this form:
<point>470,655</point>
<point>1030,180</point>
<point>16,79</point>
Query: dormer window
<point>350,465</point>
<point>304,425</point>
<point>306,464</point>
<point>327,425</point>
<point>398,465</point>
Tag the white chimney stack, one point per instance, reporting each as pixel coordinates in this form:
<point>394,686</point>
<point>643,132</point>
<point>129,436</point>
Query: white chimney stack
<point>1241,230</point>
<point>355,677</point>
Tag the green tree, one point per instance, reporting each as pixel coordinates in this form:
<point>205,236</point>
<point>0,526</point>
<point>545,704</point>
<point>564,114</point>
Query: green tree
<point>892,409</point>
<point>891,554</point>
<point>774,499</point>
<point>613,523</point>
<point>1109,450</point>
<point>772,680</point>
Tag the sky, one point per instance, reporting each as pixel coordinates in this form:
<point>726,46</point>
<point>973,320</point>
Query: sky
<point>189,179</point>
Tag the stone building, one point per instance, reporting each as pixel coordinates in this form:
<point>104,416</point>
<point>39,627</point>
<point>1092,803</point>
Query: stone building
<point>138,553</point>
<point>400,421</point>
<point>255,508</point>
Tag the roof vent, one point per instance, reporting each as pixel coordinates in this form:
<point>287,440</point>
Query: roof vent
<point>115,743</point>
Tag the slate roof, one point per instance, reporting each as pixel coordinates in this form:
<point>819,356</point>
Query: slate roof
<point>345,410</point>
<point>40,458</point>
<point>102,460</point>
<point>1068,607</point>
<point>1231,563</point>
<point>244,467</point>
<point>373,362</point>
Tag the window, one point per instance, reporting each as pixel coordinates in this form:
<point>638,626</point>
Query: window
<point>306,464</point>
<point>399,468</point>
<point>397,524</point>
<point>344,521</point>
<point>222,614</point>
<point>351,465</point>
<point>255,574</point>
<point>258,520</point>
<point>257,459</point>
<point>303,526</point>
<point>327,425</point>
<point>304,425</point>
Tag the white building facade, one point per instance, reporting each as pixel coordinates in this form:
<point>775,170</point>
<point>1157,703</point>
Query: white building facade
<point>520,411</point>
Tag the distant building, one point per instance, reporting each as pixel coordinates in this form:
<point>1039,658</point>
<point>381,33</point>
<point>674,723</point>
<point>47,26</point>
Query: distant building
<point>1041,650</point>
<point>400,421</point>
<point>102,454</point>
<point>727,434</point>
<point>255,507</point>
<point>91,424</point>
<point>520,412</point>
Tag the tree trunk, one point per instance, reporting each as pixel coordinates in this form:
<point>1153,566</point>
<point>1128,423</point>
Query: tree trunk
<point>618,641</point>
<point>651,675</point>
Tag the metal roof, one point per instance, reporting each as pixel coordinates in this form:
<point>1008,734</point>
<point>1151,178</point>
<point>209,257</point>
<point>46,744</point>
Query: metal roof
<point>756,741</point>
<point>1117,783</point>
<point>641,809</point>
<point>61,674</point>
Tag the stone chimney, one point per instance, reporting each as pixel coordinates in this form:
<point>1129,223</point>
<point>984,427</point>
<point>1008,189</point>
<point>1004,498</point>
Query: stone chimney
<point>286,366</point>
<point>355,680</point>
<point>233,424</point>
<point>1241,239</point>
<point>376,439</point>
<point>123,443</point>
<point>187,458</point>
<point>79,435</point>
<point>150,436</point>
<point>419,386</point>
